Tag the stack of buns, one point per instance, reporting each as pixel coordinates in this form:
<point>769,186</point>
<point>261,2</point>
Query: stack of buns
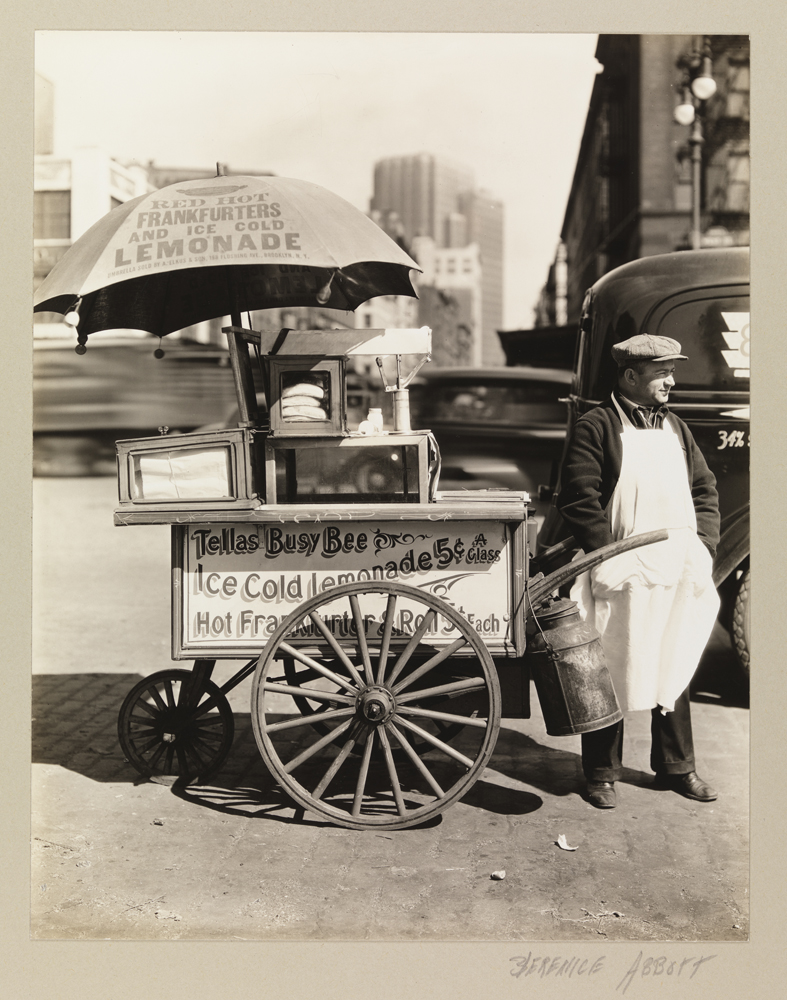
<point>303,402</point>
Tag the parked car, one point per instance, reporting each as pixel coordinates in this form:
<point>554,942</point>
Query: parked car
<point>496,427</point>
<point>701,299</point>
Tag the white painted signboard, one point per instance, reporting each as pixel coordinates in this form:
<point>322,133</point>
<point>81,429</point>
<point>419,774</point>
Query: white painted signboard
<point>238,581</point>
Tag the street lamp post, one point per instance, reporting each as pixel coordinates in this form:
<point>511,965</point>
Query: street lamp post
<point>698,87</point>
<point>696,140</point>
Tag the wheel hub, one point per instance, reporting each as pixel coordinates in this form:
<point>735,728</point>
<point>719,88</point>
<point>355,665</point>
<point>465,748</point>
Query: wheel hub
<point>376,703</point>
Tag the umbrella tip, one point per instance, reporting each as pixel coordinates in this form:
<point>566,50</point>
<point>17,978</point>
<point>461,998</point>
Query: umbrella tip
<point>325,292</point>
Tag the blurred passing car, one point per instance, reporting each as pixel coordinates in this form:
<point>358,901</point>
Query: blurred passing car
<point>496,427</point>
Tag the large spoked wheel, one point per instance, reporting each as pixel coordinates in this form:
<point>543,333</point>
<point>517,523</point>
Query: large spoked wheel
<point>166,727</point>
<point>364,717</point>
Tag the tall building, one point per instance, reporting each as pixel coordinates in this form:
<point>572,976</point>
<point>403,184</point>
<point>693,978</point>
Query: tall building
<point>422,190</point>
<point>632,190</point>
<point>454,274</point>
<point>484,215</point>
<point>437,200</point>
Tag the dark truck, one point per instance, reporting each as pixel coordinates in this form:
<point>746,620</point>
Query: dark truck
<point>701,299</point>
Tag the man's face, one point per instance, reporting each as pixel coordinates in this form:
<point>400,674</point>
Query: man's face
<point>652,386</point>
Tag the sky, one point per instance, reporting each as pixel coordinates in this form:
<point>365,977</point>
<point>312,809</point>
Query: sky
<point>325,107</point>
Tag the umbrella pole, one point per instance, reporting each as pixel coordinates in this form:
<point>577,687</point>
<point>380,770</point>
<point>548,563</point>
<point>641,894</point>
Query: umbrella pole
<point>242,374</point>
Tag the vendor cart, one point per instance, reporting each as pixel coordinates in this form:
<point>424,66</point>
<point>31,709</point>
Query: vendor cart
<point>383,623</point>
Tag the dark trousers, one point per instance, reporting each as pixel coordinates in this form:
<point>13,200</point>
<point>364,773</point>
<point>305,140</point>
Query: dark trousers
<point>671,745</point>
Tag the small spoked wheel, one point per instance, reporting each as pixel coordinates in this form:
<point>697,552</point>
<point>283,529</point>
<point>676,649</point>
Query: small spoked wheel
<point>376,705</point>
<point>168,727</point>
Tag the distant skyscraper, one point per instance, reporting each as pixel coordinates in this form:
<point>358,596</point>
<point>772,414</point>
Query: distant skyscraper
<point>438,199</point>
<point>484,215</point>
<point>422,190</point>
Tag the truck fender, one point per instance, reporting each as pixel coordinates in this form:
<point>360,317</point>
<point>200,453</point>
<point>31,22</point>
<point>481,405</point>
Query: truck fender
<point>734,544</point>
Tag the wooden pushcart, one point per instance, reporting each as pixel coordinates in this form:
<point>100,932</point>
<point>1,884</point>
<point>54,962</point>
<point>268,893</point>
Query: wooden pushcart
<point>382,623</point>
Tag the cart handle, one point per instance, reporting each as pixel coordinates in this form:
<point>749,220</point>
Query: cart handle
<point>540,588</point>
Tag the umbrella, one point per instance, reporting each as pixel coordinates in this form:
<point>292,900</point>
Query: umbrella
<point>199,249</point>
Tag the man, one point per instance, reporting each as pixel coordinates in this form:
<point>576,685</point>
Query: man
<point>632,466</point>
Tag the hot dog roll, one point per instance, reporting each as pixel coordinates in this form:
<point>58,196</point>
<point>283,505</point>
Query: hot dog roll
<point>299,401</point>
<point>305,412</point>
<point>304,389</point>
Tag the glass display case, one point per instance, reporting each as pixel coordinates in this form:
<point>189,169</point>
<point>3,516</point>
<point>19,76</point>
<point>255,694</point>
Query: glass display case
<point>355,469</point>
<point>209,469</point>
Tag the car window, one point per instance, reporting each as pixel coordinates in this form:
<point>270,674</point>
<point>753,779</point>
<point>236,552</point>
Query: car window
<point>461,402</point>
<point>714,333</point>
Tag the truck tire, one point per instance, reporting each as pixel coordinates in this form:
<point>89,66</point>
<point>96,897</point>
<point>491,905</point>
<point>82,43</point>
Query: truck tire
<point>741,621</point>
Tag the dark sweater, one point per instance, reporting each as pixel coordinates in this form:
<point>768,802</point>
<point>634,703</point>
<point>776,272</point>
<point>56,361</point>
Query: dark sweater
<point>591,470</point>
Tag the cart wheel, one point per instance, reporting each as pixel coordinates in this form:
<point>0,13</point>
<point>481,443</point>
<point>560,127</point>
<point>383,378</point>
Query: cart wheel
<point>379,727</point>
<point>163,732</point>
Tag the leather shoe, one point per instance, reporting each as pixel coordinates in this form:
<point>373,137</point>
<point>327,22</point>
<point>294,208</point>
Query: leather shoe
<point>601,794</point>
<point>690,785</point>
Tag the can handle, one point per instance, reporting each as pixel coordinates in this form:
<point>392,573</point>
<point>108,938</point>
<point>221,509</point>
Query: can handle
<point>539,589</point>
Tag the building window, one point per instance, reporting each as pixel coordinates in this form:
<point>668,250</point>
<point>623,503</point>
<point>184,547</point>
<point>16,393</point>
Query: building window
<point>451,265</point>
<point>738,92</point>
<point>738,182</point>
<point>52,220</point>
<point>467,267</point>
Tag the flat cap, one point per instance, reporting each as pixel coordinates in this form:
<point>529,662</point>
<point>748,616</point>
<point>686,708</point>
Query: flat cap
<point>644,347</point>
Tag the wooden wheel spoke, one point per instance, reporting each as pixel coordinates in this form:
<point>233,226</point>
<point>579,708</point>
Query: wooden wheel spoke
<point>190,749</point>
<point>405,745</point>
<point>154,694</point>
<point>390,613</point>
<point>155,758</point>
<point>361,632</point>
<point>171,700</point>
<point>210,703</point>
<point>427,713</point>
<point>155,741</point>
<point>183,761</point>
<point>439,744</point>
<point>412,645</point>
<point>330,774</point>
<point>206,723</point>
<point>285,647</point>
<point>198,741</point>
<point>142,723</point>
<point>397,791</point>
<point>442,690</point>
<point>316,747</point>
<point>309,720</point>
<point>363,771</point>
<point>333,642</point>
<point>169,758</point>
<point>150,709</point>
<point>210,746</point>
<point>313,693</point>
<point>430,664</point>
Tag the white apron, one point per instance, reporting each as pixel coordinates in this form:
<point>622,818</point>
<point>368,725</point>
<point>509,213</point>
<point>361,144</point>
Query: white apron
<point>654,607</point>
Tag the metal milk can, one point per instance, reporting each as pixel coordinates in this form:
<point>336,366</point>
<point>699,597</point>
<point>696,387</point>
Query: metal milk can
<point>570,671</point>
